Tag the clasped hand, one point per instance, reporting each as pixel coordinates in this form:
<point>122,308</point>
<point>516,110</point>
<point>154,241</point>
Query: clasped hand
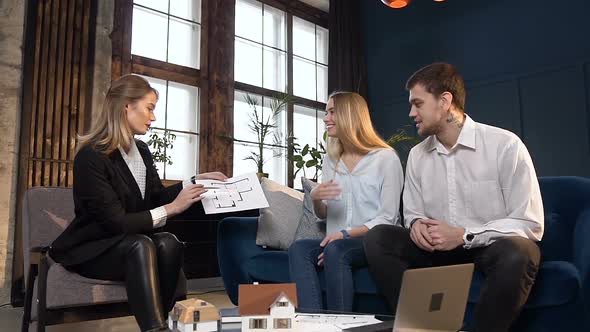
<point>431,235</point>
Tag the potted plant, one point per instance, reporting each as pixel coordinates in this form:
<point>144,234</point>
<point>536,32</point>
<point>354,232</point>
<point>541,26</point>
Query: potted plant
<point>402,142</point>
<point>158,142</point>
<point>307,157</point>
<point>263,125</point>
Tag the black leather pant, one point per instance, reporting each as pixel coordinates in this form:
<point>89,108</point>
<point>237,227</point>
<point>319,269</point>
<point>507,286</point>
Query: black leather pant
<point>510,265</point>
<point>150,267</point>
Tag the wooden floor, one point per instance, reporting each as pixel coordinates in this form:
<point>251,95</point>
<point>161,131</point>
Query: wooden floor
<point>10,318</point>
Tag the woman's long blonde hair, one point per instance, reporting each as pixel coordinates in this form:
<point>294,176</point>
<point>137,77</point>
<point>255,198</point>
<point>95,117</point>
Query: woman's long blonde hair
<point>111,129</point>
<point>354,126</point>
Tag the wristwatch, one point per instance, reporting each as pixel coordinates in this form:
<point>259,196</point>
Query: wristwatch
<point>468,238</point>
<point>345,234</point>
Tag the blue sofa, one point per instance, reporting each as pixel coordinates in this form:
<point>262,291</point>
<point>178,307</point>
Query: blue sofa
<point>560,298</point>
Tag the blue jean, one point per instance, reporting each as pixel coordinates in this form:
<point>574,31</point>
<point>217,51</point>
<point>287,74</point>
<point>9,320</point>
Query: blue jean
<point>340,258</point>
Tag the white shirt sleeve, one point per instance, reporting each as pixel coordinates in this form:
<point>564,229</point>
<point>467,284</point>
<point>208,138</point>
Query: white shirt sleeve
<point>522,198</point>
<point>159,216</point>
<point>187,183</point>
<point>391,190</point>
<point>327,175</point>
<point>412,195</point>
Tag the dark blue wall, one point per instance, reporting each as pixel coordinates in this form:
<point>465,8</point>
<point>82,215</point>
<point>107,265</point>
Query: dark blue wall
<point>526,64</point>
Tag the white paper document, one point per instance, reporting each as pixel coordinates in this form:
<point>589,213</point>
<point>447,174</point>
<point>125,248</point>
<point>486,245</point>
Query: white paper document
<point>236,194</point>
<point>330,322</point>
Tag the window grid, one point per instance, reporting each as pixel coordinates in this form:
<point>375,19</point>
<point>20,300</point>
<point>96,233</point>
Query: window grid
<point>186,137</point>
<point>263,45</point>
<point>168,19</point>
<point>282,323</point>
<point>316,63</point>
<point>165,92</point>
<point>264,92</point>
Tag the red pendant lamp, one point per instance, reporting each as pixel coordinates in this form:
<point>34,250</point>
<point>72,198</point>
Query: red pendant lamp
<point>400,3</point>
<point>396,3</point>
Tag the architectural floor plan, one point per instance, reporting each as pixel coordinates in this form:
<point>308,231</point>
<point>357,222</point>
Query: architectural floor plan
<point>236,194</point>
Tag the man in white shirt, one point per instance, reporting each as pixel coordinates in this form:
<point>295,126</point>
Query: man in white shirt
<point>471,195</point>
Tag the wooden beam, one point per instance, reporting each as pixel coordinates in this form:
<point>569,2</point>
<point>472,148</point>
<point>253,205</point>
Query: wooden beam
<point>57,67</point>
<point>165,71</point>
<point>121,38</point>
<point>302,10</point>
<point>217,113</point>
<point>271,93</point>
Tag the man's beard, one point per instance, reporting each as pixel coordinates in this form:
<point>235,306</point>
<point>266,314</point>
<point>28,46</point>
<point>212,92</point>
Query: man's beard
<point>429,130</point>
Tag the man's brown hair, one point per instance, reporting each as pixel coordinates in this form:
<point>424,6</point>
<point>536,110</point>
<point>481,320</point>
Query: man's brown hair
<point>438,78</point>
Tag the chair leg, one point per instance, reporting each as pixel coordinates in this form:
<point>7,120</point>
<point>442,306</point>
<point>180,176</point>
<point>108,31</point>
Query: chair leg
<point>42,294</point>
<point>29,298</point>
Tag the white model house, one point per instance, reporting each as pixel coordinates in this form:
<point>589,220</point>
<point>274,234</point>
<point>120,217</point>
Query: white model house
<point>267,307</point>
<point>194,315</point>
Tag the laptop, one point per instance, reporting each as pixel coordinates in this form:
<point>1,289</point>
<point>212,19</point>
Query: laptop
<point>431,300</point>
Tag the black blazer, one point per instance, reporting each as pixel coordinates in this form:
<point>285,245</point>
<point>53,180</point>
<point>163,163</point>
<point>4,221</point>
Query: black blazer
<point>108,204</point>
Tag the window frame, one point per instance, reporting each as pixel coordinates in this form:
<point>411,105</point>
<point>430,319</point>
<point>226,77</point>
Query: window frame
<point>123,62</point>
<point>258,323</point>
<point>282,304</point>
<point>281,321</point>
<point>310,14</point>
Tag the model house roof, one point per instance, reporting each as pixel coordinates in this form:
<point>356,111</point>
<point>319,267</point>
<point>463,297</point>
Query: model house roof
<point>254,300</point>
<point>207,311</point>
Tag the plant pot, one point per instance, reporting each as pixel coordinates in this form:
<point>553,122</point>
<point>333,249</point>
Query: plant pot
<point>261,175</point>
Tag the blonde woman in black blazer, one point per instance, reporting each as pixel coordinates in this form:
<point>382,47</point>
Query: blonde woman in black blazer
<point>120,203</point>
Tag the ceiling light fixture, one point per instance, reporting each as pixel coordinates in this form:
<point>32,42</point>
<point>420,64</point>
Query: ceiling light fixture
<point>396,3</point>
<point>401,3</point>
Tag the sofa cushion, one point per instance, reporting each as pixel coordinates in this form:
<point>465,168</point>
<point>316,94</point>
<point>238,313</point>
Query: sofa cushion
<point>277,223</point>
<point>271,266</point>
<point>310,226</point>
<point>556,244</point>
<point>558,282</point>
<point>69,289</point>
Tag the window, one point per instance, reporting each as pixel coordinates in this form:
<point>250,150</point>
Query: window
<point>160,24</point>
<point>279,47</point>
<point>177,111</point>
<point>265,48</point>
<point>282,304</point>
<point>275,150</point>
<point>260,46</point>
<point>308,128</point>
<point>165,48</point>
<point>257,323</point>
<point>310,60</point>
<point>282,323</point>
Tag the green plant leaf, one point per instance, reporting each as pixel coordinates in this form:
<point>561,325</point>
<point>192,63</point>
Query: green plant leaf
<point>311,163</point>
<point>316,154</point>
<point>305,150</point>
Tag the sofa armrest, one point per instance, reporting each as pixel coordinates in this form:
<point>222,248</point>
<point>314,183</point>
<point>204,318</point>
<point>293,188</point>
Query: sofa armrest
<point>236,244</point>
<point>581,256</point>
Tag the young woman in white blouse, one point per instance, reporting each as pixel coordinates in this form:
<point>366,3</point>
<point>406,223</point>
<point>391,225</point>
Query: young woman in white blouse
<point>361,185</point>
